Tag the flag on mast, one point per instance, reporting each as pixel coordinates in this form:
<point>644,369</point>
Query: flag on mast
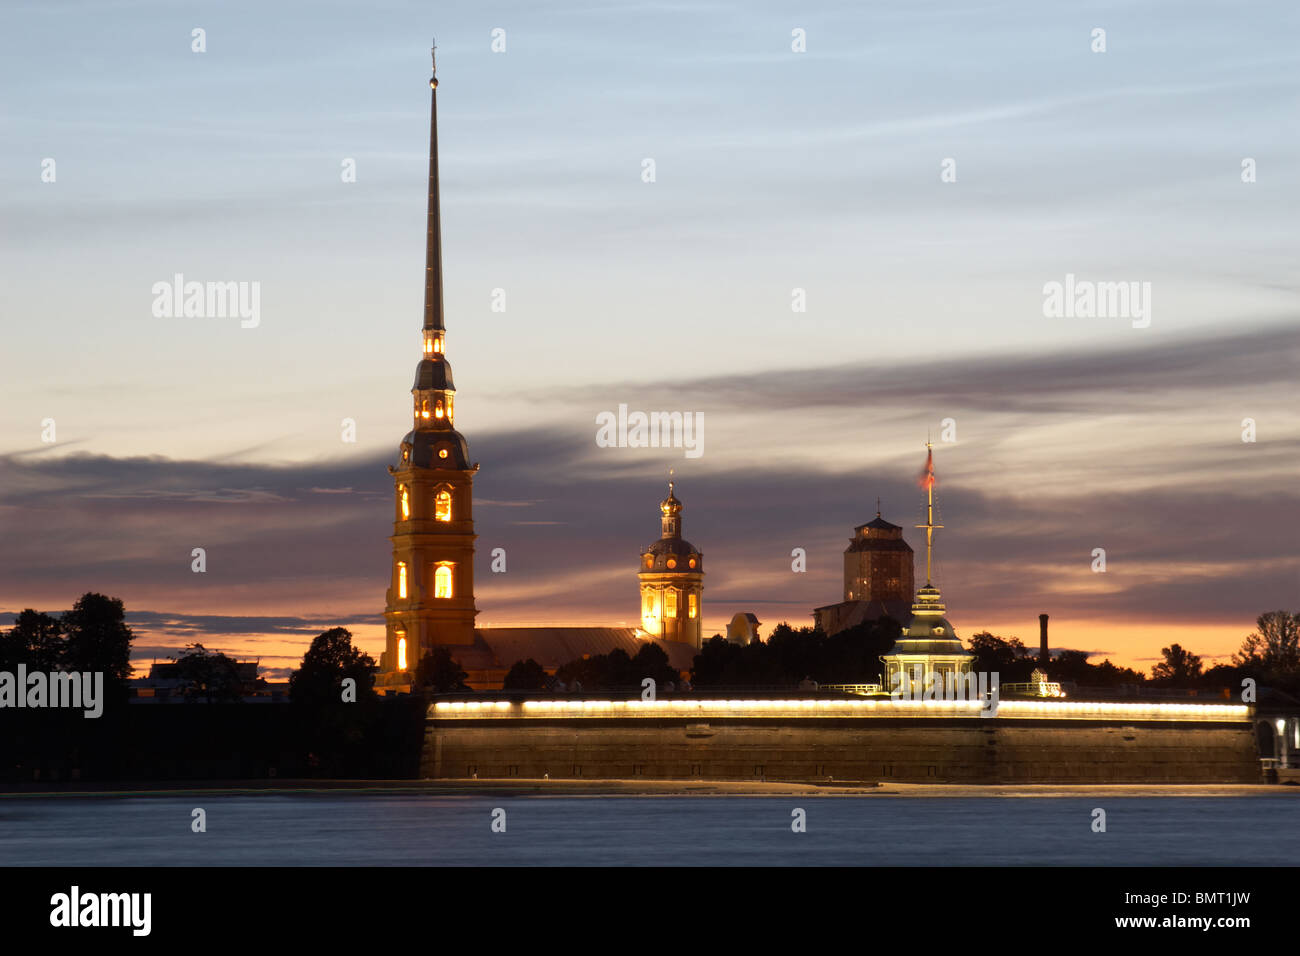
<point>926,478</point>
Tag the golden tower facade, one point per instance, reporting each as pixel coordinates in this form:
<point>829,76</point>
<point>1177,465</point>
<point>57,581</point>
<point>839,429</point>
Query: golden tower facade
<point>430,599</point>
<point>672,581</point>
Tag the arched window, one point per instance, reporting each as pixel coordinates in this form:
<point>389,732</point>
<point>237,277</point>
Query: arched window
<point>401,579</point>
<point>442,505</point>
<point>438,412</point>
<point>670,602</point>
<point>692,605</point>
<point>424,408</point>
<point>442,581</point>
<point>406,503</point>
<point>401,653</point>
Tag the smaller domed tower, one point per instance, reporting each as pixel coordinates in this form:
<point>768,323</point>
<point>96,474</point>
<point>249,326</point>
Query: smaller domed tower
<point>672,581</point>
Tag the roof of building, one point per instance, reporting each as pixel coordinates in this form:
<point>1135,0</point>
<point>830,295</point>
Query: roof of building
<point>553,647</point>
<point>852,613</point>
<point>879,524</point>
<point>434,373</point>
<point>427,444</point>
<point>671,546</point>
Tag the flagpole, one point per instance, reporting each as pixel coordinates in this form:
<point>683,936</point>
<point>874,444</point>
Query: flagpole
<point>929,525</point>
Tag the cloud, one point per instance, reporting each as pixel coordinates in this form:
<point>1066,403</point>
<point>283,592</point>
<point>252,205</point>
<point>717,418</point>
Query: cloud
<point>292,549</point>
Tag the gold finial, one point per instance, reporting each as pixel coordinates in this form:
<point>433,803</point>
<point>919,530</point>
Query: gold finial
<point>433,57</point>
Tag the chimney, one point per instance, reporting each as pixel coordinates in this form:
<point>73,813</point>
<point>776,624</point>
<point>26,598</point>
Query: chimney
<point>1043,657</point>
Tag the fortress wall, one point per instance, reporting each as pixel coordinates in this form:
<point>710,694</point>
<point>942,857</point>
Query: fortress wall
<point>906,751</point>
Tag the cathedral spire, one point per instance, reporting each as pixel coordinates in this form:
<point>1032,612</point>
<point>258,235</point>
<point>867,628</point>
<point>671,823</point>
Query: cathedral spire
<point>434,390</point>
<point>430,597</point>
<point>433,242</point>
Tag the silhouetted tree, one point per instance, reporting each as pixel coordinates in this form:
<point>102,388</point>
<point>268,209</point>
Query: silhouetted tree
<point>330,659</point>
<point>440,672</point>
<point>212,675</point>
<point>98,640</point>
<point>1275,647</point>
<point>1107,674</point>
<point>616,670</point>
<point>790,654</point>
<point>1179,666</point>
<point>652,661</point>
<point>1226,678</point>
<point>525,675</point>
<point>717,658</point>
<point>330,730</point>
<point>1009,658</point>
<point>36,639</point>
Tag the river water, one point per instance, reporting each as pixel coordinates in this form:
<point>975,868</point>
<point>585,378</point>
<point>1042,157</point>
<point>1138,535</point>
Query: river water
<point>423,829</point>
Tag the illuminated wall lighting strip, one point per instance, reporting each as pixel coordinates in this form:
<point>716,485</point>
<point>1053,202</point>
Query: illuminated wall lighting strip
<point>1017,709</point>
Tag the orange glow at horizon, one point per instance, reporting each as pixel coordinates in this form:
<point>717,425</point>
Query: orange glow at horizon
<point>1134,644</point>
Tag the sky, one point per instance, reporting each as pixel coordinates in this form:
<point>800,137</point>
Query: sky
<point>916,176</point>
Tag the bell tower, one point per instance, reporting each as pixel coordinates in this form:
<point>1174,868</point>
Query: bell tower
<point>672,581</point>
<point>430,598</point>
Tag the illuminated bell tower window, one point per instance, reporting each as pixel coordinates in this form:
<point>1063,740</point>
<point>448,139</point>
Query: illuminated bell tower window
<point>401,579</point>
<point>442,505</point>
<point>442,581</point>
<point>401,653</point>
<point>438,412</point>
<point>693,605</point>
<point>670,602</point>
<point>649,617</point>
<point>406,503</point>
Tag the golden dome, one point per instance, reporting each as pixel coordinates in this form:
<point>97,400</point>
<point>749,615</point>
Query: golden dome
<point>670,505</point>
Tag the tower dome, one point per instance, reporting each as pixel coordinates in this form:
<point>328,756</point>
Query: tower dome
<point>670,505</point>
